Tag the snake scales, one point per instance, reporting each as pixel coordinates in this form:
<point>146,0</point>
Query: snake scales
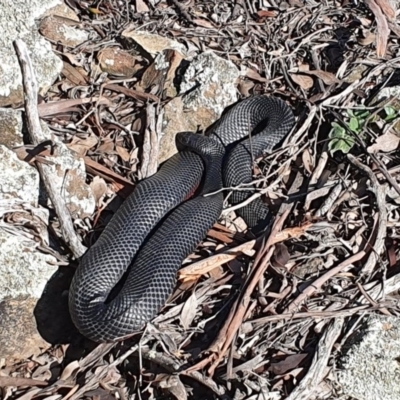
<point>167,216</point>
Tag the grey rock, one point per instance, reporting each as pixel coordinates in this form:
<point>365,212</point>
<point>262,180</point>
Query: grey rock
<point>10,127</point>
<point>24,271</point>
<point>70,178</point>
<point>18,180</point>
<point>151,42</point>
<point>209,85</point>
<point>369,368</point>
<point>19,338</point>
<point>17,21</point>
<point>62,31</point>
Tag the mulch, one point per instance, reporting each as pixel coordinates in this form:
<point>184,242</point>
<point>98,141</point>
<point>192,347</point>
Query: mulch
<point>250,318</point>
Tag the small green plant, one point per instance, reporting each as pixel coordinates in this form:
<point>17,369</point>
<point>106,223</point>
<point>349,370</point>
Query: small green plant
<point>391,113</point>
<point>343,140</point>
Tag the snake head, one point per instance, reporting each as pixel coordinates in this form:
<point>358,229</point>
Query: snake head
<point>198,143</point>
<point>184,139</point>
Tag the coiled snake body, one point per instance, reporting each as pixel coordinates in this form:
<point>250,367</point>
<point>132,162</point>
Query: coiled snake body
<point>161,223</point>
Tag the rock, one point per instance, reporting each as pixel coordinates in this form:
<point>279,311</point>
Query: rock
<point>369,368</point>
<point>10,127</point>
<point>211,81</point>
<point>17,20</point>
<point>69,169</point>
<point>24,270</point>
<point>209,86</point>
<point>62,10</point>
<point>118,62</point>
<point>18,180</point>
<point>19,338</point>
<point>70,178</point>
<point>151,42</point>
<point>59,29</point>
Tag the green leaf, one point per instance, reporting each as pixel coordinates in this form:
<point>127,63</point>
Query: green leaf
<point>354,124</point>
<point>362,114</point>
<point>341,140</point>
<point>390,111</point>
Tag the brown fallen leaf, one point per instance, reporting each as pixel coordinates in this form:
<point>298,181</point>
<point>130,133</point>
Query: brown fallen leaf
<point>395,29</point>
<point>141,7</point>
<point>193,271</point>
<point>308,161</point>
<point>304,81</point>
<point>387,9</point>
<point>107,146</point>
<point>264,14</point>
<point>367,38</point>
<point>57,107</point>
<point>252,74</point>
<point>118,62</point>
<point>123,153</point>
<point>175,59</point>
<point>245,86</point>
<point>382,28</point>
<point>99,188</point>
<point>327,77</point>
<point>174,385</point>
<point>107,173</point>
<point>387,142</point>
<point>189,311</point>
<point>281,256</point>
<point>204,266</point>
<point>82,145</point>
<point>73,75</point>
<point>222,237</point>
<point>304,67</point>
<point>203,23</point>
<point>142,96</point>
<point>290,362</point>
<point>16,382</point>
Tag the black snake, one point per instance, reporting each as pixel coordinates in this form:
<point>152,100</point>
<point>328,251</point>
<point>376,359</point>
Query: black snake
<point>167,216</point>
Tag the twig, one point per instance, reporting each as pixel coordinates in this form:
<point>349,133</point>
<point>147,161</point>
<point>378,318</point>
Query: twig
<point>206,381</point>
<point>376,290</point>
<point>101,373</point>
<point>94,356</point>
<point>370,299</point>
<point>208,264</point>
<point>35,131</point>
<point>380,194</point>
<point>309,384</point>
<point>172,366</point>
<point>347,312</point>
<point>329,201</point>
<point>241,304</point>
<point>16,382</point>
<point>383,30</point>
<point>320,281</point>
<point>183,12</point>
<point>315,177</point>
<point>150,145</point>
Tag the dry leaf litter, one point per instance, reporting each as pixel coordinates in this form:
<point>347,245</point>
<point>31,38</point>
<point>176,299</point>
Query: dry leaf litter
<point>251,318</point>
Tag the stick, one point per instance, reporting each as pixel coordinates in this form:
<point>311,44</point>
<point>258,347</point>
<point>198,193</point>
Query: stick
<point>380,194</point>
<point>309,384</point>
<point>320,281</point>
<point>241,305</point>
<point>36,135</point>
